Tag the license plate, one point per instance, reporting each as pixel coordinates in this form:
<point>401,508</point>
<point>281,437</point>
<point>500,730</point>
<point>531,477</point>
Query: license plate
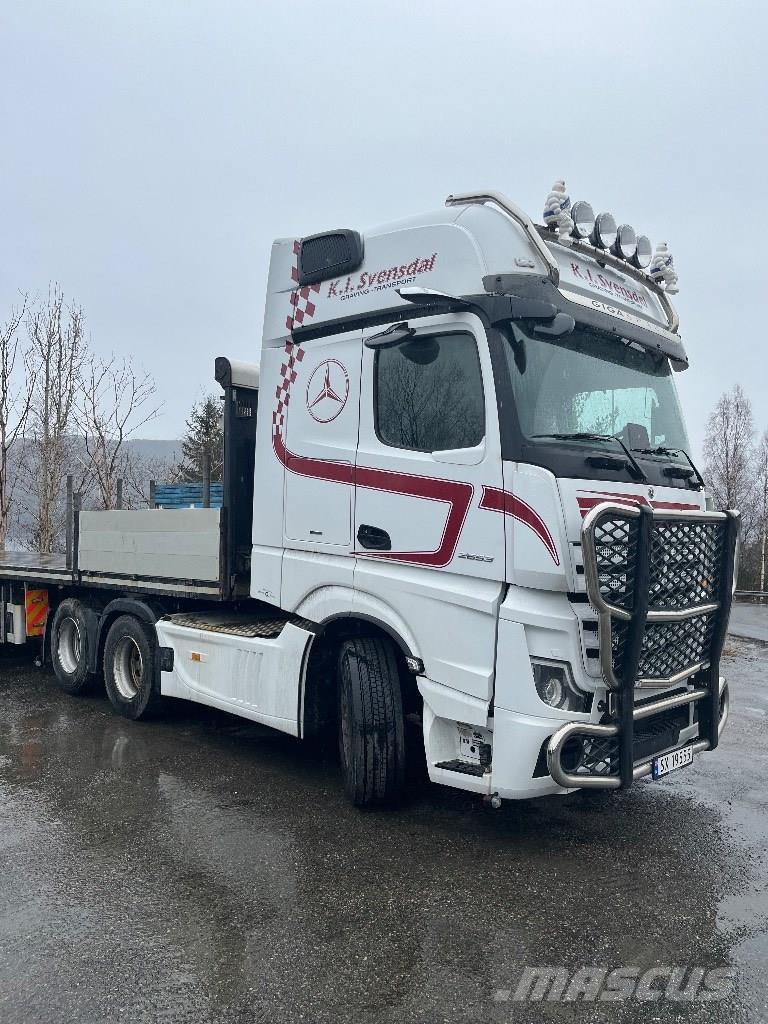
<point>671,762</point>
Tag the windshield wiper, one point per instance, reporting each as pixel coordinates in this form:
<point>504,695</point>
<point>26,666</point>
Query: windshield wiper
<point>658,450</point>
<point>634,466</point>
<point>671,470</point>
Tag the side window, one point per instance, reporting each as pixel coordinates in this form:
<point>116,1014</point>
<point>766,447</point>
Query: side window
<point>429,393</point>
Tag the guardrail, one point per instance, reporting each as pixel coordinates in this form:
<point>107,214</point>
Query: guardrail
<point>751,595</point>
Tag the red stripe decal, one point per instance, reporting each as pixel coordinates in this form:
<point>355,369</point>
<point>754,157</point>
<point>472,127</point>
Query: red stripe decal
<point>496,500</point>
<point>587,503</point>
<point>456,494</point>
<point>318,469</point>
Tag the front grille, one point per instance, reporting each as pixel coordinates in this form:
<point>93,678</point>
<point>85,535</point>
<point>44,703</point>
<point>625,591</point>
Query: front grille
<point>685,563</point>
<point>668,648</point>
<point>665,576</point>
<point>615,545</point>
<point>601,756</point>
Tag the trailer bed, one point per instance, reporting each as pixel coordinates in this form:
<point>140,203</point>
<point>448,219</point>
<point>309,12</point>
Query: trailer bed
<point>163,551</point>
<point>32,567</point>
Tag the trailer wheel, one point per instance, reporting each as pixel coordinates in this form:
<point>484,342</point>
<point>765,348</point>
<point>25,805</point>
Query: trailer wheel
<point>69,647</point>
<point>130,657</point>
<point>371,735</point>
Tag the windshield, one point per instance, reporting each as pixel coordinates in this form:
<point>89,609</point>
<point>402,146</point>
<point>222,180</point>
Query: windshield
<point>590,383</point>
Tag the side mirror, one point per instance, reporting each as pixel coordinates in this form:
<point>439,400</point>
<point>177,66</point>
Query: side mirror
<point>421,350</point>
<point>558,327</point>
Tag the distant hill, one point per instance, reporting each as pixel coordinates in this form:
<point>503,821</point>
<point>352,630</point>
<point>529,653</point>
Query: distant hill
<point>157,450</point>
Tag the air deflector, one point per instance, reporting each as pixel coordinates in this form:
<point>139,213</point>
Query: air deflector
<point>329,254</point>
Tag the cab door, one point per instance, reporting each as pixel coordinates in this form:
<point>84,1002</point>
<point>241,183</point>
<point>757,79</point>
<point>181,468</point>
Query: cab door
<point>429,452</point>
<point>318,452</point>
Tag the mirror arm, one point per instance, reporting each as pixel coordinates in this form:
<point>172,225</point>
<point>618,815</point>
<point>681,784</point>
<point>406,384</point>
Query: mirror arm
<point>392,336</point>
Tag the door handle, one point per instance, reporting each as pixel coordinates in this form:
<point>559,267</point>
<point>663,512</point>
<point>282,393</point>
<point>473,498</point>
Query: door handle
<point>373,538</point>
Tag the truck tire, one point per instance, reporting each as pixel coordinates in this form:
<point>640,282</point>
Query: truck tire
<point>69,647</point>
<point>130,657</point>
<point>371,734</point>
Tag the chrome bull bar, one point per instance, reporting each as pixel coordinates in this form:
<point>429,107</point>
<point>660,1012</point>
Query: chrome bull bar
<point>647,571</point>
<point>571,780</point>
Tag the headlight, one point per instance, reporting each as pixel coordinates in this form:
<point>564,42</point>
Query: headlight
<point>555,686</point>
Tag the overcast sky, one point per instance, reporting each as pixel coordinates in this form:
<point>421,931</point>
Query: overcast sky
<point>152,149</point>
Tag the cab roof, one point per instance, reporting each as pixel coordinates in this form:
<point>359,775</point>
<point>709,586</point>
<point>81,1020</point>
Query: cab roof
<point>477,243</point>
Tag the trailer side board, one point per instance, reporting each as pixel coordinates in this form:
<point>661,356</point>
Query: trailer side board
<point>164,550</point>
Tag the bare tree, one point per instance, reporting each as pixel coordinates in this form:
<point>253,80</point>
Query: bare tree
<point>114,401</point>
<point>54,361</point>
<point>728,454</point>
<point>15,399</point>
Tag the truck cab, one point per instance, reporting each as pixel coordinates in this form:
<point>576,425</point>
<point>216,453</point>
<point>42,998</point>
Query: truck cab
<point>470,443</point>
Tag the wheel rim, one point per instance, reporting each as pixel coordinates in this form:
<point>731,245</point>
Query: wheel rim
<point>128,668</point>
<point>69,645</point>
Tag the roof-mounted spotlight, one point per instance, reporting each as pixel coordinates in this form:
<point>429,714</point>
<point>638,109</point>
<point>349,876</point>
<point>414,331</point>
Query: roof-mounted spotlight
<point>604,232</point>
<point>643,252</point>
<point>625,243</point>
<point>583,218</point>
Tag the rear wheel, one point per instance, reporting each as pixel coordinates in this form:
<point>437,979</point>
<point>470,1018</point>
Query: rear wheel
<point>129,668</point>
<point>371,738</point>
<point>69,647</point>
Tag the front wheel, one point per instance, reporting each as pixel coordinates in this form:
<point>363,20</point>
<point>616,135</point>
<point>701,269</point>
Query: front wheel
<point>130,656</point>
<point>371,734</point>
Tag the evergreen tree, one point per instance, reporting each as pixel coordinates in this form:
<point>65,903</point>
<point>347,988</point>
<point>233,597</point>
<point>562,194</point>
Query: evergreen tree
<point>205,435</point>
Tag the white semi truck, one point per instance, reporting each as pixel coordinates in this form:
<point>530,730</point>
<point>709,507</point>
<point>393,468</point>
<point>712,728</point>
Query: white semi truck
<point>459,512</point>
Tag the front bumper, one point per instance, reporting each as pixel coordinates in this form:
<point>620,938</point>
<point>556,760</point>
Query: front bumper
<point>605,736</point>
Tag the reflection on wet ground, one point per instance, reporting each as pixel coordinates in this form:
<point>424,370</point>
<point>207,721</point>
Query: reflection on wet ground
<point>204,869</point>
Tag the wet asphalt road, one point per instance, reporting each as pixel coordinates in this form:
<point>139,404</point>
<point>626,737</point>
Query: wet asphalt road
<point>749,620</point>
<point>203,869</point>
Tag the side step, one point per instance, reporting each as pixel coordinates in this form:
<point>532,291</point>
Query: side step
<point>463,767</point>
<point>248,625</point>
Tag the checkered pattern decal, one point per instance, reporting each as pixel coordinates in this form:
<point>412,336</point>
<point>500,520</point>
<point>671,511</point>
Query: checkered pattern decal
<point>288,373</point>
<point>302,306</point>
